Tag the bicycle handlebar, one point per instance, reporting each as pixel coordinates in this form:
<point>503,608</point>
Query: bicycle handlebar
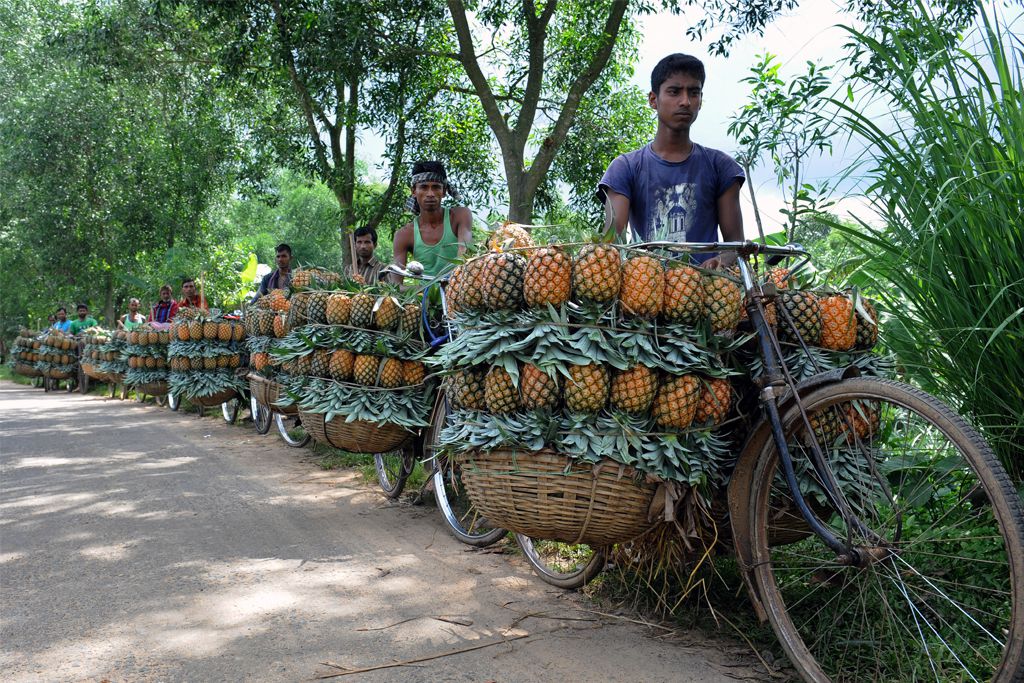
<point>745,248</point>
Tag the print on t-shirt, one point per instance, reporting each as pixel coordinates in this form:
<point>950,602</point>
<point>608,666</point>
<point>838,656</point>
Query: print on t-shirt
<point>674,212</point>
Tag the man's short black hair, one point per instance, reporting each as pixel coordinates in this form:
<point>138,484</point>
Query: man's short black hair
<point>187,280</point>
<point>429,167</point>
<point>283,247</point>
<point>675,64</point>
<point>366,230</point>
<point>61,308</point>
<point>80,307</point>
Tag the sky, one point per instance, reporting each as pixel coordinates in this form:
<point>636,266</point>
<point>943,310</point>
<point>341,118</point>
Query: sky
<point>810,33</point>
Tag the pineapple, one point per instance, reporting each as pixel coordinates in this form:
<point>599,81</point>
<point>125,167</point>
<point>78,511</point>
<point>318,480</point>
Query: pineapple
<point>164,338</point>
<point>320,364</point>
<point>195,330</point>
<point>452,291</point>
<point>181,331</point>
<point>867,328</point>
<point>234,360</point>
<point>471,285</point>
<point>237,332</point>
<point>410,323</point>
<point>387,313</point>
<point>805,311</point>
<point>500,392</point>
<point>316,307</point>
<point>362,311</point>
<point>195,362</point>
<point>586,390</point>
<point>722,299</point>
<point>413,372</point>
<point>210,362</point>
<point>510,236</point>
<point>503,281</point>
<point>279,326</point>
<point>838,323</point>
<point>676,402</point>
<point>304,364</point>
<point>302,278</point>
<point>341,364</point>
<point>209,331</point>
<point>633,390</point>
<point>827,425</point>
<point>548,277</point>
<point>276,300</point>
<point>339,308</point>
<point>865,417</point>
<point>364,370</point>
<point>714,401</point>
<point>467,390</point>
<point>224,331</point>
<point>684,295</point>
<point>391,373</point>
<point>596,273</point>
<point>643,286</point>
<point>539,390</point>
<point>223,361</point>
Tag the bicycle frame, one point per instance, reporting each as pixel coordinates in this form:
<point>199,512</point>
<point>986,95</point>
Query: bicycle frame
<point>774,385</point>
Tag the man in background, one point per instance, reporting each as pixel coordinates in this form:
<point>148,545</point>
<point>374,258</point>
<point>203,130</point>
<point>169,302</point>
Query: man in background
<point>190,297</point>
<point>62,323</point>
<point>281,277</point>
<point>84,320</point>
<point>367,266</point>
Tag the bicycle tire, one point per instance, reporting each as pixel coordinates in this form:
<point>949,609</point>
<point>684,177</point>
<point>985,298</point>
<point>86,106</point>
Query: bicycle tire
<point>461,518</point>
<point>173,402</point>
<point>261,416</point>
<point>160,400</point>
<point>941,596</point>
<point>294,436</point>
<point>229,410</point>
<point>553,571</point>
<point>393,469</point>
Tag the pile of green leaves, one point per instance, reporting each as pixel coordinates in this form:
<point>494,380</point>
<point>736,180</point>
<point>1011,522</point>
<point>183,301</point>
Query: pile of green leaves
<point>206,382</point>
<point>406,407</point>
<point>145,350</point>
<point>205,348</point>
<point>136,376</point>
<point>304,340</point>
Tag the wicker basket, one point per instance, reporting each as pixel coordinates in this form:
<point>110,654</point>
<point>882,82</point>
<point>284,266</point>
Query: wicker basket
<point>356,437</point>
<point>27,370</point>
<point>541,495</point>
<point>151,389</point>
<point>267,392</point>
<point>57,374</point>
<point>213,399</point>
<point>93,372</point>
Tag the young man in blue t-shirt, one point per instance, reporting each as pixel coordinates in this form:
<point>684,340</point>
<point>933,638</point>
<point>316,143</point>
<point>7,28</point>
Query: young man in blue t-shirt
<point>674,189</point>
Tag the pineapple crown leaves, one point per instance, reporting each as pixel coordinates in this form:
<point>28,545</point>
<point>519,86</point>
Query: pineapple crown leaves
<point>205,382</point>
<point>136,376</point>
<point>406,407</point>
<point>205,348</point>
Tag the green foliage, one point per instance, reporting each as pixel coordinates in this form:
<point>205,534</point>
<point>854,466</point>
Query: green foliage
<point>948,177</point>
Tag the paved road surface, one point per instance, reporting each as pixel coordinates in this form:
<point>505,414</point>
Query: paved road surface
<point>137,544</point>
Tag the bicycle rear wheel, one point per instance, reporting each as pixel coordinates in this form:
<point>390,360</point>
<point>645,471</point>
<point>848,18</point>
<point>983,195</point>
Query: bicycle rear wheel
<point>937,591</point>
<point>461,516</point>
<point>229,409</point>
<point>294,434</point>
<point>393,469</point>
<point>562,565</point>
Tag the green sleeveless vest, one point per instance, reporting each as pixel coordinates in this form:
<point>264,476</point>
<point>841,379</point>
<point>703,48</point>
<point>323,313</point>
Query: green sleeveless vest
<point>435,257</point>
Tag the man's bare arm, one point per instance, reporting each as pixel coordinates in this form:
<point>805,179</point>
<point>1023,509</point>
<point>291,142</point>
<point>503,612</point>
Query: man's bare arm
<point>463,228</point>
<point>620,209</point>
<point>730,222</point>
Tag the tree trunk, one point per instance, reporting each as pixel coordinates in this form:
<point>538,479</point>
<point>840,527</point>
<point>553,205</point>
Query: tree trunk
<point>520,198</point>
<point>108,300</point>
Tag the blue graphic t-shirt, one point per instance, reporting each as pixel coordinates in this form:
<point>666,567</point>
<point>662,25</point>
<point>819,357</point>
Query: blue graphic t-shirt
<point>673,201</point>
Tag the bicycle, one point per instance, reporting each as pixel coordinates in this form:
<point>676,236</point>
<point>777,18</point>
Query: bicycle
<point>461,517</point>
<point>862,511</point>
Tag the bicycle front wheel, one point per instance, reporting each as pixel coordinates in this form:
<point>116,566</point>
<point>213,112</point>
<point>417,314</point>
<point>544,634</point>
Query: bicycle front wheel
<point>936,589</point>
<point>261,416</point>
<point>393,469</point>
<point>229,410</point>
<point>461,516</point>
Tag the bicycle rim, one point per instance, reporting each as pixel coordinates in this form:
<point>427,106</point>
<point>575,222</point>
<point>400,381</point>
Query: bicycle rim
<point>261,417</point>
<point>229,410</point>
<point>393,468</point>
<point>293,434</point>
<point>562,565</point>
<point>173,402</point>
<point>938,593</point>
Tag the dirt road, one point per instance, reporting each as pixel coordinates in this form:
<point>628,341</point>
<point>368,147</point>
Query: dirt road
<point>137,544</point>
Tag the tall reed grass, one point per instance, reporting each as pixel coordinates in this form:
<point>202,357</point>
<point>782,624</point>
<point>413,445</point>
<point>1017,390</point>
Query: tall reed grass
<point>947,166</point>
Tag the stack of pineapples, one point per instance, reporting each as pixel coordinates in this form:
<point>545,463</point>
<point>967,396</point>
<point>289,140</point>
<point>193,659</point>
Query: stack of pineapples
<point>24,353</point>
<point>93,339</point>
<point>111,360</point>
<point>57,355</point>
<point>204,354</point>
<point>145,354</point>
<point>352,351</point>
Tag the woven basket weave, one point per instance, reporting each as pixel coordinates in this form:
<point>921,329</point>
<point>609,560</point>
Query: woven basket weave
<point>213,399</point>
<point>355,437</point>
<point>92,371</point>
<point>27,370</point>
<point>267,392</point>
<point>57,374</point>
<point>541,495</point>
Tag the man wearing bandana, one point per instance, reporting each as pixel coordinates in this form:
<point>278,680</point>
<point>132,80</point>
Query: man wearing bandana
<point>437,234</point>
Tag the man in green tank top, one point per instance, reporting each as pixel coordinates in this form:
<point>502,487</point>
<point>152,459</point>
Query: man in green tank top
<point>437,235</point>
